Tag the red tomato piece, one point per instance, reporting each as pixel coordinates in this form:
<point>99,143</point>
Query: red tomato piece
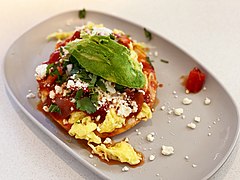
<point>124,40</point>
<point>76,35</point>
<point>195,80</point>
<point>54,57</point>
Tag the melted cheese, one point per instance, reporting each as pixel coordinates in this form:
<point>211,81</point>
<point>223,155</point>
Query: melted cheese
<point>111,122</point>
<point>121,151</point>
<point>84,130</point>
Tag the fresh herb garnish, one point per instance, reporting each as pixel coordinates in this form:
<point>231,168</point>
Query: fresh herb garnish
<point>85,104</point>
<point>79,94</point>
<point>147,34</point>
<point>164,61</point>
<point>112,37</point>
<point>61,79</point>
<point>149,60</point>
<point>48,70</point>
<point>61,50</point>
<point>93,81</point>
<point>54,108</point>
<point>101,85</point>
<point>119,88</point>
<point>94,98</point>
<point>82,13</point>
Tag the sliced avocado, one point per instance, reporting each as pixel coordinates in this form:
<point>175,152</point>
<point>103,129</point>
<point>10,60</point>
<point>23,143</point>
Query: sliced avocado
<point>108,59</point>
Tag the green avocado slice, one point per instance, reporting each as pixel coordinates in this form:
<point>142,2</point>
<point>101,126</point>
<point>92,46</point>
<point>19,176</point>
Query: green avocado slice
<point>108,59</point>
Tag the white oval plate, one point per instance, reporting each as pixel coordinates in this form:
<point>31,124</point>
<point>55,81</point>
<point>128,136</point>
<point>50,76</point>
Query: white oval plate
<point>207,152</point>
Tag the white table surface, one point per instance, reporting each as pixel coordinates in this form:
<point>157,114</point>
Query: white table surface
<point>209,30</point>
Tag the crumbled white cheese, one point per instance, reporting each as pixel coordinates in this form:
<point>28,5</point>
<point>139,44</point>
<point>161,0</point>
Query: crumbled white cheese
<point>70,83</point>
<point>126,139</point>
<point>139,133</point>
<point>207,101</point>
<point>41,71</point>
<point>98,118</point>
<point>90,156</point>
<point>150,137</point>
<point>30,95</point>
<point>69,68</point>
<point>52,94</point>
<point>58,89</point>
<point>174,92</point>
<point>155,53</point>
<point>151,157</point>
<point>186,101</point>
<point>167,150</point>
<point>81,84</point>
<point>187,91</point>
<point>65,122</point>
<point>71,108</point>
<point>110,87</point>
<point>178,111</point>
<point>197,119</point>
<point>73,100</point>
<point>162,108</point>
<point>194,165</point>
<point>134,106</point>
<point>186,157</point>
<point>103,31</point>
<point>209,134</point>
<point>124,111</point>
<point>192,125</point>
<point>183,116</point>
<point>170,111</point>
<point>45,108</point>
<point>125,169</point>
<point>108,141</point>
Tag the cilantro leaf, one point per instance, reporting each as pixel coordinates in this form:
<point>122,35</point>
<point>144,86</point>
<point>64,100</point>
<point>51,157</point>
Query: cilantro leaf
<point>101,85</point>
<point>85,104</point>
<point>94,98</point>
<point>82,13</point>
<point>49,68</point>
<point>93,81</point>
<point>164,61</point>
<point>147,34</point>
<point>54,108</point>
<point>79,94</point>
<point>119,88</point>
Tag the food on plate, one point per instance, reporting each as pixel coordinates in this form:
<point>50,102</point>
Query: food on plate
<point>97,84</point>
<point>195,80</point>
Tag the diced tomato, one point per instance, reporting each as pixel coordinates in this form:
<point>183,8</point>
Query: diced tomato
<point>124,40</point>
<point>54,57</point>
<point>76,35</point>
<point>195,80</point>
<point>65,105</point>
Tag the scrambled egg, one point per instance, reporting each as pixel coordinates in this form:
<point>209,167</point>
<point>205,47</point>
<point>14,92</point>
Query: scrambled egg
<point>75,116</point>
<point>145,113</point>
<point>83,129</point>
<point>59,35</point>
<point>121,151</point>
<point>111,122</point>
